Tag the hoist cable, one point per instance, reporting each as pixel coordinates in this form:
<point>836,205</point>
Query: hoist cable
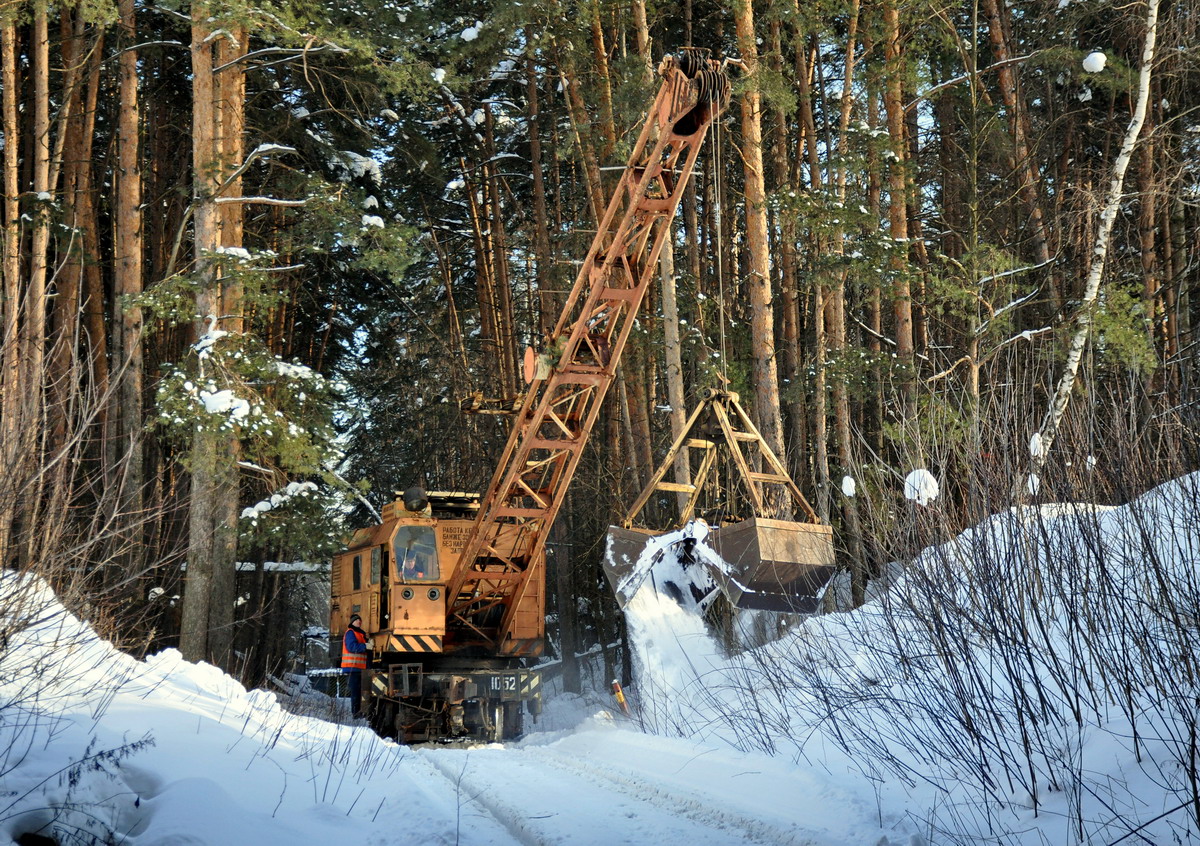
<point>718,213</point>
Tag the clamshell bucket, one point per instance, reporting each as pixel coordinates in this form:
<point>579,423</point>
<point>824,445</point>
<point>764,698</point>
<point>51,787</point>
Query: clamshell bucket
<point>624,547</point>
<point>775,565</point>
<point>690,576</point>
<point>757,562</point>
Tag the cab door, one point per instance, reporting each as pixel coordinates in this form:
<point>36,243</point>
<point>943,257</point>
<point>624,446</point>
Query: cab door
<point>350,577</point>
<point>418,601</point>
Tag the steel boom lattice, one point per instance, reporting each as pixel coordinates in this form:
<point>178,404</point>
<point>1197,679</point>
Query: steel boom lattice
<point>564,398</point>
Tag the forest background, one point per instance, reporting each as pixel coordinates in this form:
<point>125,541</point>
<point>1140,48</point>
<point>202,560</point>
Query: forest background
<point>257,257</point>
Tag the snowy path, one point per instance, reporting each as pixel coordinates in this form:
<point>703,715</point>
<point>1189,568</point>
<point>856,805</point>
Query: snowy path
<point>616,787</point>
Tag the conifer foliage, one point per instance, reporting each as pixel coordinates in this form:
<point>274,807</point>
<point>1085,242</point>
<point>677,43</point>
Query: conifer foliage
<point>258,256</point>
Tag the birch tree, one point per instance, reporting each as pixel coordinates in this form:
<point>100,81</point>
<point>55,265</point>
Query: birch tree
<point>1084,316</point>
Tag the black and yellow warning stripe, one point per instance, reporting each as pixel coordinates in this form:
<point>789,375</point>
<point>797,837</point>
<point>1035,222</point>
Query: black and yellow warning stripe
<point>414,643</point>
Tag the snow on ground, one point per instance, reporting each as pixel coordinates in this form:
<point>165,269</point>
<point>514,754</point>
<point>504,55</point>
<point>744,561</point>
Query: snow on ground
<point>845,731</point>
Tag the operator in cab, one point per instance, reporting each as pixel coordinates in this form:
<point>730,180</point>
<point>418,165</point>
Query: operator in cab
<point>417,563</point>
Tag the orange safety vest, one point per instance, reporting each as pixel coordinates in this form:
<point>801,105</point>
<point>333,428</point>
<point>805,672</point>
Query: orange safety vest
<point>354,660</point>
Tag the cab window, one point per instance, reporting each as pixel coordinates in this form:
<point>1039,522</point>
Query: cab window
<point>357,573</point>
<point>416,554</point>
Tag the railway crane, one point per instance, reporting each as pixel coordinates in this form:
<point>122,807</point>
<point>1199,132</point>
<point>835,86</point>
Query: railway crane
<point>451,585</point>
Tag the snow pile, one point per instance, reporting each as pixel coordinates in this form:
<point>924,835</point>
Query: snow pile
<point>1031,681</point>
<point>99,747</point>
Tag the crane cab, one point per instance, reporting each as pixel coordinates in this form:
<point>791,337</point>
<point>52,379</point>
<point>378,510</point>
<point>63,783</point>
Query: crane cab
<point>395,575</point>
<point>432,673</point>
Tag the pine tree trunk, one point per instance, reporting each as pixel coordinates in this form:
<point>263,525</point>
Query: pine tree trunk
<point>568,619</point>
<point>790,369</point>
<point>604,86</point>
<point>485,289</point>
<point>201,563</point>
<point>509,355</point>
<point>548,306</point>
<point>820,398</point>
<point>1147,220</point>
<point>577,112</point>
<point>642,31</point>
<point>762,317</point>
<point>808,125</point>
<point>897,204</point>
<point>229,88</point>
<point>33,335</point>
<point>837,332</point>
<point>207,626</point>
<point>127,284</point>
<point>874,299</point>
<point>1023,161</point>
<point>92,296</point>
<point>10,381</point>
<point>34,345</point>
<point>64,315</point>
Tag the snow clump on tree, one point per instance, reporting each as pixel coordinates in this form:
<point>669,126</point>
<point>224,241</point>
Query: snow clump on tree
<point>1094,62</point>
<point>921,487</point>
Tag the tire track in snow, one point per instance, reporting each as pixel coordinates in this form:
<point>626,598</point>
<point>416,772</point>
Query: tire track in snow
<point>479,796</point>
<point>697,807</point>
<point>583,802</point>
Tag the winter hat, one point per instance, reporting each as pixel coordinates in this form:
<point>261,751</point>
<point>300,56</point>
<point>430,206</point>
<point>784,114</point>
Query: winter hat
<point>354,617</point>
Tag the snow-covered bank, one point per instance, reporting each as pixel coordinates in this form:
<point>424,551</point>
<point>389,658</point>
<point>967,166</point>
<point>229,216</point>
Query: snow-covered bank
<point>1030,682</point>
<point>1033,680</point>
<point>104,748</point>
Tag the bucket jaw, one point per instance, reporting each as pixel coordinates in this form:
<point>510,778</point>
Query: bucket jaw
<point>677,563</point>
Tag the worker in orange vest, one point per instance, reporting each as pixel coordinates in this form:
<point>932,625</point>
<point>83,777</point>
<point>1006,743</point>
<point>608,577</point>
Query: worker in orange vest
<point>354,661</point>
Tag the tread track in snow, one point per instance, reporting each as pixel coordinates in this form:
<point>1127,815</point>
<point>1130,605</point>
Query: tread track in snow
<point>603,804</point>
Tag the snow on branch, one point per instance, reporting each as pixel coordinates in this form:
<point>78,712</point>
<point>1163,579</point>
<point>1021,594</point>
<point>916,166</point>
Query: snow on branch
<point>261,201</point>
<point>1015,272</point>
<point>143,45</point>
<point>290,52</point>
<point>257,153</point>
<point>909,106</point>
